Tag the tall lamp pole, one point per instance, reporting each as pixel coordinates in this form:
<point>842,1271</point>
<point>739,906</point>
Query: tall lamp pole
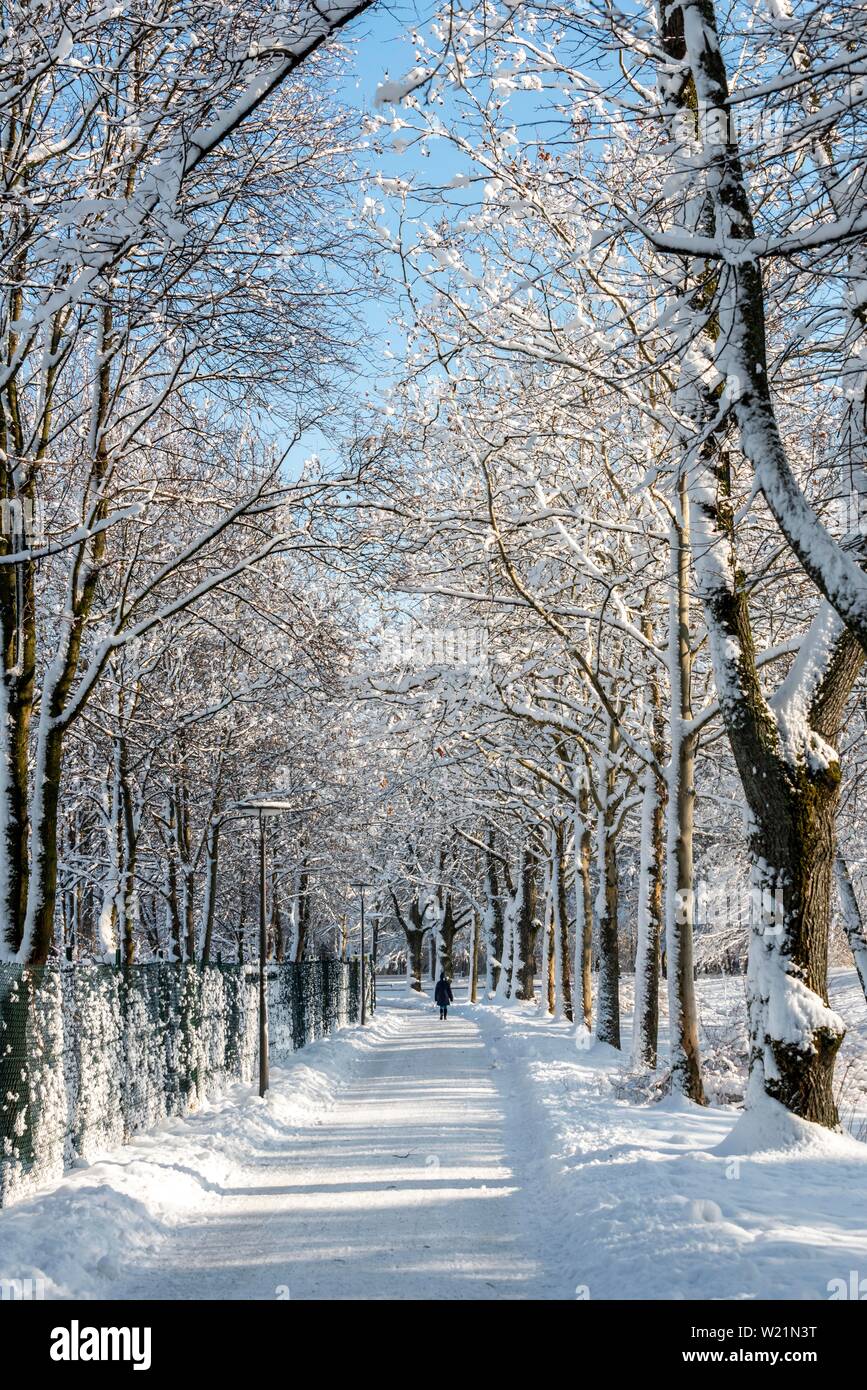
<point>240,810</point>
<point>361,887</point>
<point>263,952</point>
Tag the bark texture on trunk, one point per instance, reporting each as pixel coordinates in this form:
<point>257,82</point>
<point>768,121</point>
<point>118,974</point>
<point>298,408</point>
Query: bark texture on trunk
<point>785,750</point>
<point>680,869</point>
<point>607,904</point>
<point>527,927</point>
<point>415,931</point>
<point>853,920</point>
<point>563,1003</point>
<point>650,923</point>
<point>493,916</point>
<point>584,904</point>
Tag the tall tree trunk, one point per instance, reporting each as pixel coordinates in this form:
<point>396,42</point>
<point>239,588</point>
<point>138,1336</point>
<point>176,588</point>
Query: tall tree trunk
<point>302,912</point>
<point>415,957</point>
<point>173,915</point>
<point>507,983</point>
<point>107,926</point>
<point>650,919</point>
<point>680,876</point>
<point>446,933</point>
<point>853,921</point>
<point>651,877</point>
<point>786,756</point>
<point>584,900</point>
<point>39,925</point>
<point>794,1041</point>
<point>546,977</point>
<point>493,919</point>
<point>563,1006</point>
<point>474,957</point>
<point>212,859</point>
<point>608,991</point>
<point>414,930</point>
<point>18,651</point>
<point>550,961</point>
<point>276,932</point>
<point>128,896</point>
<point>527,930</point>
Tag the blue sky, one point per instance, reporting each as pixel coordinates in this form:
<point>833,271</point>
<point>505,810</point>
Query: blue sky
<point>381,47</point>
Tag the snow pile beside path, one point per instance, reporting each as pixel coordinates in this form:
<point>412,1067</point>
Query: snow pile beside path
<point>672,1200</point>
<point>77,1236</point>
<point>769,1128</point>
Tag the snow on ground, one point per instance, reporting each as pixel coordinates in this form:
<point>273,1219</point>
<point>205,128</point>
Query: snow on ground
<point>84,1234</point>
<point>488,1157</point>
<point>651,1206</point>
<point>397,1180</point>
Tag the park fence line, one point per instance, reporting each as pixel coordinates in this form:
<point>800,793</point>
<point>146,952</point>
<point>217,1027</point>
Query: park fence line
<point>91,1055</point>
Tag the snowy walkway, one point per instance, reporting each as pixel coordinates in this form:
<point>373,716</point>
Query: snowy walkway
<point>404,1189</point>
<point>487,1157</point>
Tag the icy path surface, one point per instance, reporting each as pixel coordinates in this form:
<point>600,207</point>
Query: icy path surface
<point>406,1188</point>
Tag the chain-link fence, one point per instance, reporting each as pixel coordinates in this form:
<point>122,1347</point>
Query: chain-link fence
<point>93,1054</point>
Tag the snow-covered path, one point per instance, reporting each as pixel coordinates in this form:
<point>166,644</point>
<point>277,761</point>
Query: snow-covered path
<point>406,1188</point>
<point>492,1156</point>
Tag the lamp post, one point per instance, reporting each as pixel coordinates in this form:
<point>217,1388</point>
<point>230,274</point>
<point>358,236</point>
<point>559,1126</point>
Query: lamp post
<point>263,952</point>
<point>361,887</point>
<point>240,811</point>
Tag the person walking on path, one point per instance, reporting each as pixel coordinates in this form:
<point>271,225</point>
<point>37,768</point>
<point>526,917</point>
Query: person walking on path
<point>443,995</point>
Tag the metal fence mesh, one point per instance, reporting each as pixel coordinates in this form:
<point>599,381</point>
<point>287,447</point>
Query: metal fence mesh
<point>93,1054</point>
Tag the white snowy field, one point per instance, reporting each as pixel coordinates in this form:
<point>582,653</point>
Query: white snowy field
<point>487,1157</point>
<point>670,1200</point>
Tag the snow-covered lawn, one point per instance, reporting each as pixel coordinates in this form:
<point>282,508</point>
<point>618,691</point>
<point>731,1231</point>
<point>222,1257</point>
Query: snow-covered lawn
<point>668,1200</point>
<point>488,1157</point>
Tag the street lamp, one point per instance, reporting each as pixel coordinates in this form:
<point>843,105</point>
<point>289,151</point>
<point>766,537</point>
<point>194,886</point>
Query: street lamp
<point>263,952</point>
<point>361,887</point>
<point>241,810</point>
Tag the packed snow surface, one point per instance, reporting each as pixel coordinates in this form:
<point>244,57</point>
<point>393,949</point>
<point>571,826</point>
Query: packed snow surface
<point>490,1156</point>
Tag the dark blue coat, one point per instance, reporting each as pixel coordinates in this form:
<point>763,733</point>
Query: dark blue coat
<point>443,993</point>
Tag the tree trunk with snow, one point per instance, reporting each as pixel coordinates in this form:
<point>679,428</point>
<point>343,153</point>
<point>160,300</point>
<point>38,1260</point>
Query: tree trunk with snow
<point>527,930</point>
<point>508,981</point>
<point>696,77</point>
<point>128,891</point>
<point>584,902</point>
<point>785,750</point>
<point>474,957</point>
<point>302,911</point>
<point>680,874</point>
<point>650,923</point>
<point>794,1034</point>
<point>563,1004</point>
<point>415,931</point>
<point>549,965</point>
<point>493,918</point>
<point>209,910</point>
<point>651,875</point>
<point>447,929</point>
<point>607,901</point>
<point>853,921</point>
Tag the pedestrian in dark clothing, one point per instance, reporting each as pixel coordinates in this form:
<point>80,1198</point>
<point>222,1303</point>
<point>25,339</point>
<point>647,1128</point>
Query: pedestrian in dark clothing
<point>443,995</point>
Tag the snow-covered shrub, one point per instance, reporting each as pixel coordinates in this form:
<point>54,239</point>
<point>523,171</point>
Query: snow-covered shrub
<point>92,1054</point>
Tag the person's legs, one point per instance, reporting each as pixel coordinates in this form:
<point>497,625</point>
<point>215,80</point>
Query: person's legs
<point>446,1011</point>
